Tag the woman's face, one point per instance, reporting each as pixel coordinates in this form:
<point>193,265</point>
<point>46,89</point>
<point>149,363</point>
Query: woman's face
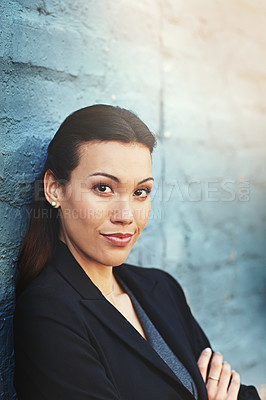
<point>106,203</point>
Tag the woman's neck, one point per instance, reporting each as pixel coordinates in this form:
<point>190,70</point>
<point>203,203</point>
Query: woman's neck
<point>102,276</point>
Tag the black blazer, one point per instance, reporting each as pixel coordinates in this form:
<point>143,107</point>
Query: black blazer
<point>71,343</point>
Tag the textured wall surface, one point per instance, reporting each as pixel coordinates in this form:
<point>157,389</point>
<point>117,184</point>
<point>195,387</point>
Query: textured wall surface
<point>194,71</point>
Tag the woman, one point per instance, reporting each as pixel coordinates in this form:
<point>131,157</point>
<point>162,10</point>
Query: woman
<point>86,325</point>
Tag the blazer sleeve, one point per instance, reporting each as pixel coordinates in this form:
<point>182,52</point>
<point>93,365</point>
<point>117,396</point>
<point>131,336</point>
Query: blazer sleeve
<point>53,359</point>
<point>198,339</point>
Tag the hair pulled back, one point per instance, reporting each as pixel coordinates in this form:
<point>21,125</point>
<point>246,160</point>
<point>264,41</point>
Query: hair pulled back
<point>98,122</point>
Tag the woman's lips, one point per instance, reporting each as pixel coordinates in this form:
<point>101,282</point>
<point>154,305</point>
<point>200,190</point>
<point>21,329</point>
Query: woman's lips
<point>118,239</point>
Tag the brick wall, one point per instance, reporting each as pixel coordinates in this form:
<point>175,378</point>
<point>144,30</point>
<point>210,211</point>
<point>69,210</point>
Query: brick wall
<point>195,73</point>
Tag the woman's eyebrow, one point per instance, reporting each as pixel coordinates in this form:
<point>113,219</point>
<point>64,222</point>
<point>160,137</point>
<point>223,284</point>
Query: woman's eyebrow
<point>114,178</point>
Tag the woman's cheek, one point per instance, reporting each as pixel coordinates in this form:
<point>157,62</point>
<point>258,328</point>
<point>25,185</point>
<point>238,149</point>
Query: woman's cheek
<point>142,214</point>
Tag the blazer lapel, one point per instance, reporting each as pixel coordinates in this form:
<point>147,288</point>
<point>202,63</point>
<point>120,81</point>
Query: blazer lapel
<point>145,291</point>
<point>120,326</point>
<point>150,297</point>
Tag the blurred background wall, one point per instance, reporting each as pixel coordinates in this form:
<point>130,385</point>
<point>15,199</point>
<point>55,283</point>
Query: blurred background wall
<point>194,71</point>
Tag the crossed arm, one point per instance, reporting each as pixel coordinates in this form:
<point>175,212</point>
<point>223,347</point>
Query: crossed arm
<point>222,383</point>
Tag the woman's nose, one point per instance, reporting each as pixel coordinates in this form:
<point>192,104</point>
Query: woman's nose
<point>122,213</point>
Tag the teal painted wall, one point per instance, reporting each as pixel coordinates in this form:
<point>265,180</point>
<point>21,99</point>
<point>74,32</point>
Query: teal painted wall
<point>195,73</point>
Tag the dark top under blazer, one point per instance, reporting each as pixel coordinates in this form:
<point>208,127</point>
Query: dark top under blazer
<point>71,343</point>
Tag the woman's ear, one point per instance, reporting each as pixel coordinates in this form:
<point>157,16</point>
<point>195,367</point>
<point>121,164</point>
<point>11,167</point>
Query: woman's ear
<point>52,189</point>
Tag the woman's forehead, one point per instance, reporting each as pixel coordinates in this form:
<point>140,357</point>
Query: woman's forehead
<point>115,157</point>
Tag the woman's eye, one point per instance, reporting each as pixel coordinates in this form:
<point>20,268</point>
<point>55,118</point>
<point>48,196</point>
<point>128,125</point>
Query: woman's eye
<point>142,192</point>
<point>102,188</point>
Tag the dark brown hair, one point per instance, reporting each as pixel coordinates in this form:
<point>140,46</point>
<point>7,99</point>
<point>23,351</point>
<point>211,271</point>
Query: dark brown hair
<point>98,122</point>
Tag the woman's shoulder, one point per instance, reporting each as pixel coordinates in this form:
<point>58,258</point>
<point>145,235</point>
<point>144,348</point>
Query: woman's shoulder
<point>44,292</point>
<point>49,298</point>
